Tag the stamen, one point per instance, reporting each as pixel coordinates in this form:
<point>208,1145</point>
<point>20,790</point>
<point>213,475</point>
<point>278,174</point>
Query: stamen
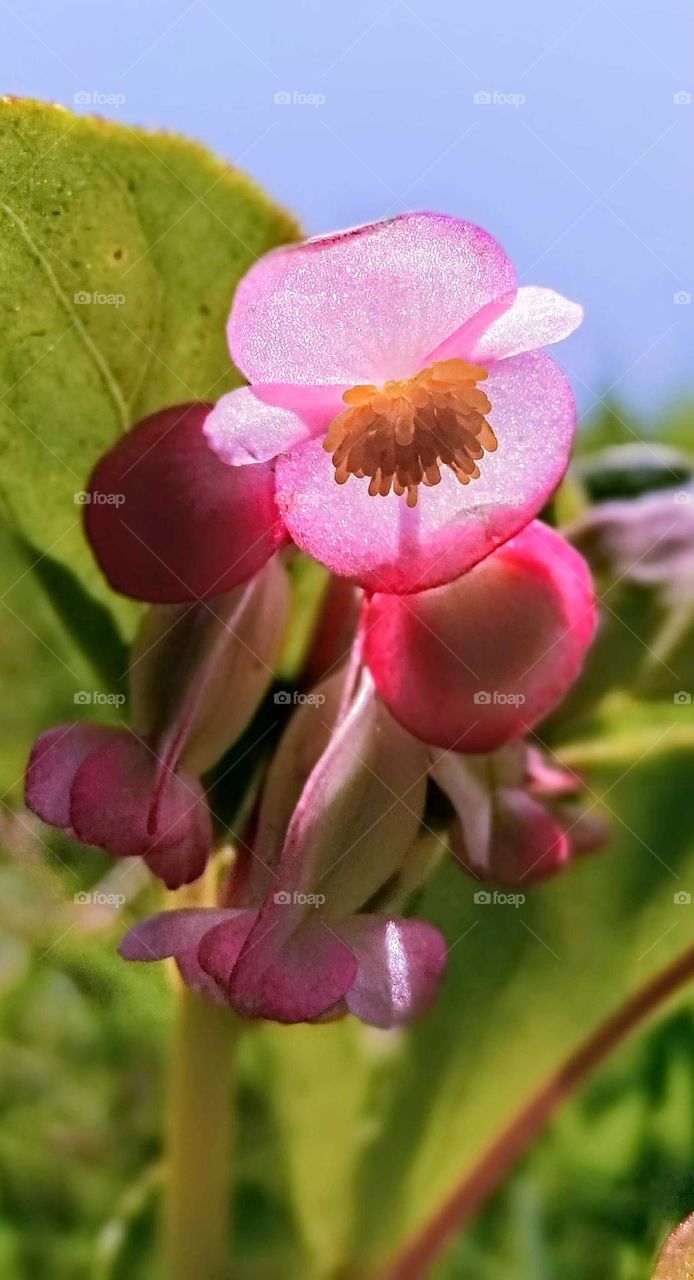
<point>400,435</point>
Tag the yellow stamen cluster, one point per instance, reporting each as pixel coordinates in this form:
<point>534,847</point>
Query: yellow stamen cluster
<point>401,434</point>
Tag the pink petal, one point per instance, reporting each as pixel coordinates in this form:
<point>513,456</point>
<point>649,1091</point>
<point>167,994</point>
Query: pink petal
<point>255,424</point>
<point>527,843</point>
<point>218,949</point>
<point>475,664</point>
<point>385,546</point>
<point>198,672</point>
<point>111,807</point>
<point>311,975</point>
<point>534,318</point>
<point>179,934</point>
<point>467,782</point>
<point>400,964</point>
<point>171,932</point>
<point>547,777</point>
<point>169,522</point>
<point>302,744</point>
<point>357,815</point>
<point>185,859</point>
<point>55,758</point>
<point>363,305</point>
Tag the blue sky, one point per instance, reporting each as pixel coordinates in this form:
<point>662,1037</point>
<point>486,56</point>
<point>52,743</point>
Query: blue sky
<point>574,158</point>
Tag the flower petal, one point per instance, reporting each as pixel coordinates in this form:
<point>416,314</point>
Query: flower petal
<point>185,860</point>
<point>55,758</point>
<point>400,964</point>
<point>111,806</point>
<point>254,424</point>
<point>475,664</point>
<point>384,545</point>
<point>179,934</point>
<point>310,975</point>
<point>527,842</point>
<point>465,780</point>
<point>171,932</point>
<point>357,815</point>
<point>535,318</point>
<point>169,522</point>
<point>198,673</point>
<point>219,947</point>
<point>363,305</point>
<point>303,742</point>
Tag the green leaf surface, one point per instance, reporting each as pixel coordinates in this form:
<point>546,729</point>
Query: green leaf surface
<point>119,254</point>
<point>317,1081</point>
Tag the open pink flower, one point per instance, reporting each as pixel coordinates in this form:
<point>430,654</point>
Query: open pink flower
<point>478,662</point>
<point>387,358</point>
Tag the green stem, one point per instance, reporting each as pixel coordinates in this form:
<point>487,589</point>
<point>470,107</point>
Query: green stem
<point>199,1135</point>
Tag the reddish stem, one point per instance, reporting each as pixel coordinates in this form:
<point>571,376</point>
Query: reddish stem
<point>419,1255</point>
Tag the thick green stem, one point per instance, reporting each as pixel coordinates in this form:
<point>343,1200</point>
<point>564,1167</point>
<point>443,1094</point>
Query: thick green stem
<point>199,1128</point>
<point>199,1142</point>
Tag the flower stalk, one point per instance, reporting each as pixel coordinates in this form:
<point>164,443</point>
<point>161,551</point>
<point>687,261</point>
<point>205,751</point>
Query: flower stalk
<point>199,1135</point>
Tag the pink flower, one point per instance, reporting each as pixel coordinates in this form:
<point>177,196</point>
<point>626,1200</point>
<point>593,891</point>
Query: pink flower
<point>519,817</point>
<point>478,662</point>
<point>300,945</point>
<point>401,361</point>
<point>197,676</point>
<point>103,786</point>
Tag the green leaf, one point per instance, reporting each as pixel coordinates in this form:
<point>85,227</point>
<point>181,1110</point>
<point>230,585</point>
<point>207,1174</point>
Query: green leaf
<point>317,1080</point>
<point>86,620</point>
<point>120,253</point>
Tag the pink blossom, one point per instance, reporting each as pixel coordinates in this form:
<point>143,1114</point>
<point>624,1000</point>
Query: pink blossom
<point>478,662</point>
<point>520,817</point>
<point>298,944</point>
<point>400,360</point>
<point>103,786</point>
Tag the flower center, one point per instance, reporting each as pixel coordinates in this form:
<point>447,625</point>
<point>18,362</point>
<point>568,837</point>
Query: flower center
<point>401,434</point>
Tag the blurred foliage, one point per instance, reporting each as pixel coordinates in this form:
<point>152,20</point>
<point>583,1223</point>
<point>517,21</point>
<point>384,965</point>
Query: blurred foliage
<point>339,1113</point>
<point>600,1190</point>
